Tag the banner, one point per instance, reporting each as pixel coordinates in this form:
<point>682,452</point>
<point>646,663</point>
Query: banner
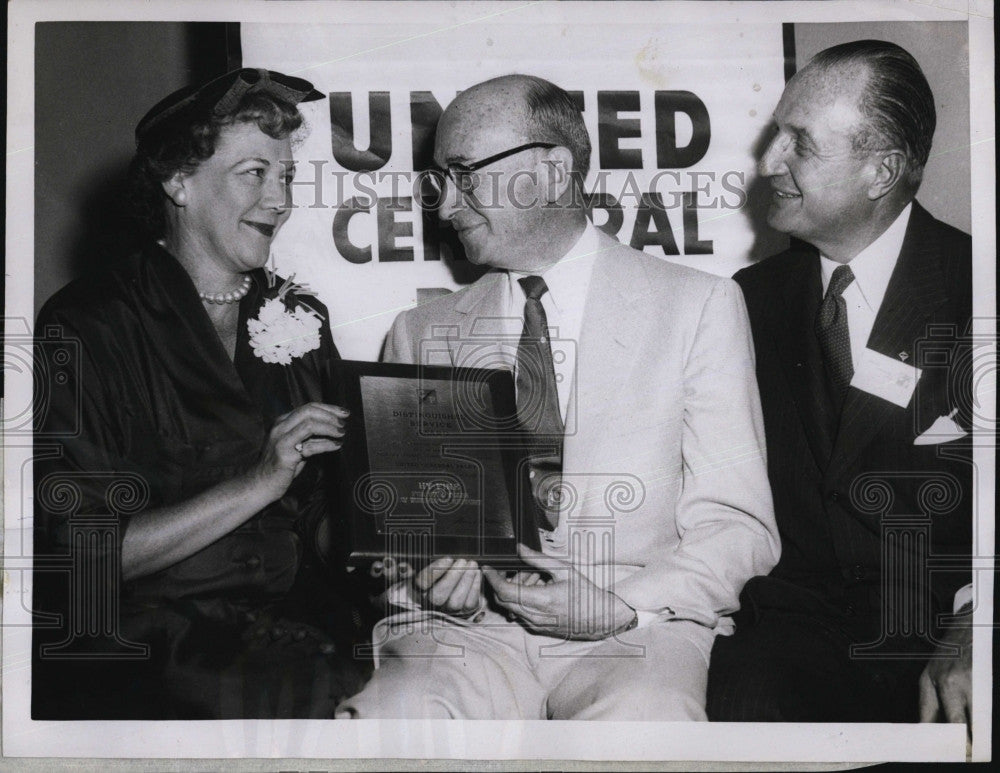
<point>676,116</point>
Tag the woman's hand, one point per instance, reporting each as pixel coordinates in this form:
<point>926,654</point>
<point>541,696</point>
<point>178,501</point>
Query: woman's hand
<point>311,429</point>
<point>160,537</point>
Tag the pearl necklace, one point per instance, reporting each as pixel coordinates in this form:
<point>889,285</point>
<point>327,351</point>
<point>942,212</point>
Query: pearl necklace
<point>231,297</point>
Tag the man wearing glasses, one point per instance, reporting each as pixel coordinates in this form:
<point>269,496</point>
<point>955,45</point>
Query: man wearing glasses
<point>634,381</point>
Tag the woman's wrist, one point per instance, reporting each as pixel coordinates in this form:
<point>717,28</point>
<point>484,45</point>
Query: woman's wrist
<point>262,489</point>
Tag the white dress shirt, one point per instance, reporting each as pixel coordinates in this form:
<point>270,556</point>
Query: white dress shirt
<point>568,282</point>
<point>872,269</point>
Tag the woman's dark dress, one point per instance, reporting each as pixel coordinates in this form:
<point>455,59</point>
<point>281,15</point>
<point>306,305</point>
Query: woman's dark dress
<point>138,406</point>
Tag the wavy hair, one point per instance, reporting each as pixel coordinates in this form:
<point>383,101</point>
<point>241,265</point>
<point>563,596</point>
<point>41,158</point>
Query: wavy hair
<point>182,142</point>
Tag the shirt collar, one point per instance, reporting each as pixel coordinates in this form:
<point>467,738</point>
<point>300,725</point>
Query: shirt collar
<point>570,275</point>
<point>873,266</point>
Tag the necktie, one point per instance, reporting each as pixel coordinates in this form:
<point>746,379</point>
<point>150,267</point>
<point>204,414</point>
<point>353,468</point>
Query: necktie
<point>538,402</point>
<point>832,331</point>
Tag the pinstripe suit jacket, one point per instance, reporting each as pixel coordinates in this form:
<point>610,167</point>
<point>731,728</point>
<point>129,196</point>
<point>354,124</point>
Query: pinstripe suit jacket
<point>664,403</point>
<point>859,505</point>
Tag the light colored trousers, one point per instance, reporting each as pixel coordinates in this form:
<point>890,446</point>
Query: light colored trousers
<point>431,666</point>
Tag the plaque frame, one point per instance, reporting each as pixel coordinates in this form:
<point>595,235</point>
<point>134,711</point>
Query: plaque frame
<point>412,537</point>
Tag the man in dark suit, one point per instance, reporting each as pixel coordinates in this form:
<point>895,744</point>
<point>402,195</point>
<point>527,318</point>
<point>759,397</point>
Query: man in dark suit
<point>858,331</point>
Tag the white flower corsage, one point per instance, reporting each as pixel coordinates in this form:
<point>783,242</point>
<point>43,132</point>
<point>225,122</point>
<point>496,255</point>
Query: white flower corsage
<point>279,335</point>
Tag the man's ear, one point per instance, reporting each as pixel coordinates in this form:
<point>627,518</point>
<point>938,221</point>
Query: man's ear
<point>557,174</point>
<point>175,189</point>
<point>888,174</point>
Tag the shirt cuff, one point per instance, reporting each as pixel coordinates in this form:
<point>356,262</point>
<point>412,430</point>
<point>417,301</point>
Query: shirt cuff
<point>403,595</point>
<point>645,618</point>
<point>963,597</point>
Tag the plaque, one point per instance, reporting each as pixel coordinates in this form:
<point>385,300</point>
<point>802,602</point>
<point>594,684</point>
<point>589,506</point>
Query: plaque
<point>433,464</point>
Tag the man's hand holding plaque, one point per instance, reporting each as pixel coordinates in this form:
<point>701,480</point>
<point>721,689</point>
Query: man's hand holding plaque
<point>566,605</point>
<point>451,585</point>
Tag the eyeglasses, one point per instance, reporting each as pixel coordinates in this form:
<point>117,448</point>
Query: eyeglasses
<point>464,176</point>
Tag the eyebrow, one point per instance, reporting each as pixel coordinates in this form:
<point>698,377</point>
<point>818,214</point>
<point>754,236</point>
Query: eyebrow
<point>800,132</point>
<point>289,167</point>
<point>258,159</point>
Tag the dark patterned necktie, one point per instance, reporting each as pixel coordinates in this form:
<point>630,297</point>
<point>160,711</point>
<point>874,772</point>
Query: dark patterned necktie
<point>538,402</point>
<point>832,331</point>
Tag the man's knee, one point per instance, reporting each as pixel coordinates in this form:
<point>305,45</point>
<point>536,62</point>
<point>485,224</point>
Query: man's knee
<point>401,688</point>
<point>635,698</point>
<point>447,673</point>
<point>665,683</point>
<point>652,702</point>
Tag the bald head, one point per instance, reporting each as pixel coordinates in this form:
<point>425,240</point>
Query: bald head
<point>501,103</point>
<point>493,115</point>
<point>523,108</point>
<point>519,147</point>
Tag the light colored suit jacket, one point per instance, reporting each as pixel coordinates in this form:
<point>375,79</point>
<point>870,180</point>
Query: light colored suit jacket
<point>664,452</point>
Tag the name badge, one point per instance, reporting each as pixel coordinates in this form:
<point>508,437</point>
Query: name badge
<point>885,377</point>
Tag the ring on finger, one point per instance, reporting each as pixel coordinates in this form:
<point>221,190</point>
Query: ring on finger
<point>298,447</point>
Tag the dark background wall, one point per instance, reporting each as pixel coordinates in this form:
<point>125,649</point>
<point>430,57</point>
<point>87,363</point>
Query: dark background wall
<point>93,82</point>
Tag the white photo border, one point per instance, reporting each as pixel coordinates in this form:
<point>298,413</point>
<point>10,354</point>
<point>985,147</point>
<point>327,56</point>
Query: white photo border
<point>304,742</point>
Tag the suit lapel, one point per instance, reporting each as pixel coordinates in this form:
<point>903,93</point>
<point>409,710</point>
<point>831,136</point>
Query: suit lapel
<point>798,349</point>
<point>915,290</point>
<point>612,326</point>
<point>482,326</point>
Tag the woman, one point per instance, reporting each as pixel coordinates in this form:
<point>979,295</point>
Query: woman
<point>187,490</point>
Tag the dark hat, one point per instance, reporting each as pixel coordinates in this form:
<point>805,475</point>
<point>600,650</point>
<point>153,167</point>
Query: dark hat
<point>222,94</point>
